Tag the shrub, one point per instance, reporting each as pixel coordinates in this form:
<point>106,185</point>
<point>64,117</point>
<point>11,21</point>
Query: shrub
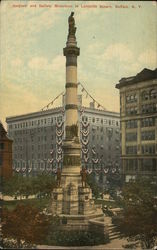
<point>75,238</point>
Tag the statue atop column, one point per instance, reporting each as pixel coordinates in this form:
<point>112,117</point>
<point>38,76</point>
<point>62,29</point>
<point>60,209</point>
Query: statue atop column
<point>71,21</point>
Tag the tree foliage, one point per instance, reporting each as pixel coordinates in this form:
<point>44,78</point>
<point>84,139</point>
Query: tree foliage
<point>93,185</point>
<point>25,224</point>
<point>139,218</point>
<point>26,186</point>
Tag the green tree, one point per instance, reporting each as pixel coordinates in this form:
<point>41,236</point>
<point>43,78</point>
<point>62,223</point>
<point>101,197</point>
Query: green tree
<point>26,186</point>
<point>139,218</point>
<point>43,185</point>
<point>93,185</point>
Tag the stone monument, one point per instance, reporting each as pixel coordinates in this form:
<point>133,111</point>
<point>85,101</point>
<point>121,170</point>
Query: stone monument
<point>72,199</point>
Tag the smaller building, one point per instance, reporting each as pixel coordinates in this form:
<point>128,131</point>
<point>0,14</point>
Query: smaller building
<point>5,154</point>
<point>138,117</point>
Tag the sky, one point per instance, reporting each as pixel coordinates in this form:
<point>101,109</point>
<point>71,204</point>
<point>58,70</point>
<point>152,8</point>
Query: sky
<point>115,41</point>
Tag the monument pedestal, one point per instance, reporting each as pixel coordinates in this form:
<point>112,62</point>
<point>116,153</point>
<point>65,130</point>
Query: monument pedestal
<point>74,206</point>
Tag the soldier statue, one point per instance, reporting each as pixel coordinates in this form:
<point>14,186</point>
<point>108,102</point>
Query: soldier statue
<point>84,177</point>
<point>71,21</point>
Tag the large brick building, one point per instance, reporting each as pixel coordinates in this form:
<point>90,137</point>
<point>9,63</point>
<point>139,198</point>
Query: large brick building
<point>37,139</point>
<point>5,154</point>
<point>138,116</point>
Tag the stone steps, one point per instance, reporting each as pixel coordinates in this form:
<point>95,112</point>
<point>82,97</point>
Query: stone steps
<point>113,233</point>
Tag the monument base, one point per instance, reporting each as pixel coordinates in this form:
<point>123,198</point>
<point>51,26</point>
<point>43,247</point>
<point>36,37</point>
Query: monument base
<point>76,209</point>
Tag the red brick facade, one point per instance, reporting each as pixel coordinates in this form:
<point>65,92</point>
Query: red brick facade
<point>5,154</point>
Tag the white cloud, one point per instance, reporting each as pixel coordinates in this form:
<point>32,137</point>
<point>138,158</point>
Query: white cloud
<point>38,63</point>
<point>41,63</point>
<point>118,51</point>
<point>58,64</point>
<point>20,27</point>
<point>148,58</point>
<point>95,49</point>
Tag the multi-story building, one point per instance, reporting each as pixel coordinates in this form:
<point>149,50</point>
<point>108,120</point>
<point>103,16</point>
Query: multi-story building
<point>37,139</point>
<point>138,116</point>
<point>5,154</point>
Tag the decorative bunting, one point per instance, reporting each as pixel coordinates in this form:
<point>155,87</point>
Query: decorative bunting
<point>59,125</point>
<point>51,103</point>
<point>50,161</point>
<point>85,133</point>
<point>23,168</point>
<point>95,160</point>
<point>89,171</point>
<point>59,159</point>
<point>17,169</point>
<point>85,142</point>
<point>59,133</point>
<point>59,141</point>
<point>85,150</point>
<point>85,124</point>
<point>93,151</point>
<point>86,158</point>
<point>87,94</point>
<point>106,170</point>
<point>113,170</point>
<point>81,111</point>
<point>59,150</point>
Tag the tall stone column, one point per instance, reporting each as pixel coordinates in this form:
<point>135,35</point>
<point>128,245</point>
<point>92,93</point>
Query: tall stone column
<point>71,199</point>
<point>71,144</point>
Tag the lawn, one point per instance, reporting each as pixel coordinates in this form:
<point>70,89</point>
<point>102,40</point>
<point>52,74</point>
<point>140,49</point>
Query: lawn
<point>40,203</point>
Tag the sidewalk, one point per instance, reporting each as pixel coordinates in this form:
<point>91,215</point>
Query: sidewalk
<point>114,244</point>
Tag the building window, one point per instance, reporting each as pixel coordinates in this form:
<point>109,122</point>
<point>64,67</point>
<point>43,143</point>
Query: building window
<point>148,135</point>
<point>131,150</point>
<point>2,146</point>
<point>97,119</point>
<point>131,165</point>
<point>145,95</point>
<point>105,121</point>
<point>148,122</point>
<point>131,98</point>
<point>148,165</point>
<point>153,94</point>
<point>149,108</point>
<point>131,110</point>
<point>93,120</point>
<point>148,149</point>
<point>131,124</point>
<point>131,137</point>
